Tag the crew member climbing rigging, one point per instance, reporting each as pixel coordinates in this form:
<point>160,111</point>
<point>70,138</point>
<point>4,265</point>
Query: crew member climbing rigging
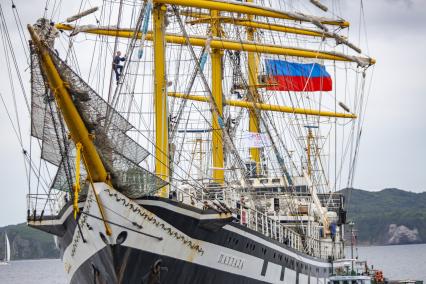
<point>117,66</point>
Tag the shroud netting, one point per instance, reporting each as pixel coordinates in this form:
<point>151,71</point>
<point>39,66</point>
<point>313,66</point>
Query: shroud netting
<point>119,153</point>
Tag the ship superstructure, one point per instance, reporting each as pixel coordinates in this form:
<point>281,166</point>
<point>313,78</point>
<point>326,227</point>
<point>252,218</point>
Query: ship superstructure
<point>206,158</point>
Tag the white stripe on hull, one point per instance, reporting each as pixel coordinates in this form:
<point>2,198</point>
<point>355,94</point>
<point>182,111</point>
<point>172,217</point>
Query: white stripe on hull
<point>183,211</point>
<point>275,247</point>
<point>290,276</point>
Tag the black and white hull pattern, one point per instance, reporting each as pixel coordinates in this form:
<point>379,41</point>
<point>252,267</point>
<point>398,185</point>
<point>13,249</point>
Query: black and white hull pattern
<point>156,240</point>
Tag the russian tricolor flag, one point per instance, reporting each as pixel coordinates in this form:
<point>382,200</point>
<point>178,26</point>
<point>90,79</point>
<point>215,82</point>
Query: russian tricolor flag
<point>289,76</point>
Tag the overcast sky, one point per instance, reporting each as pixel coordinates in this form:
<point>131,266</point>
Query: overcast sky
<point>393,150</point>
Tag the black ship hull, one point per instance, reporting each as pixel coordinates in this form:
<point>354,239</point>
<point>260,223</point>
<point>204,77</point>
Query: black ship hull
<point>120,264</point>
<point>158,240</point>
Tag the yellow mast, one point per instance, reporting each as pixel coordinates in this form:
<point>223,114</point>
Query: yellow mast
<point>160,99</point>
<point>73,120</point>
<point>254,125</point>
<point>217,135</point>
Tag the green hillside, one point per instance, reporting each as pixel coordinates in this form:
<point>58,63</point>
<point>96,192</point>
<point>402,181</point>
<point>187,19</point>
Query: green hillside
<point>375,212</point>
<point>27,243</point>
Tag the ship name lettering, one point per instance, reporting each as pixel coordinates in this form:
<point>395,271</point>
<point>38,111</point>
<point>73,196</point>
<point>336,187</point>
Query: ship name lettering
<point>230,260</point>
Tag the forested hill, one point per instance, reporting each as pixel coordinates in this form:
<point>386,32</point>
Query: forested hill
<point>27,243</point>
<point>389,216</point>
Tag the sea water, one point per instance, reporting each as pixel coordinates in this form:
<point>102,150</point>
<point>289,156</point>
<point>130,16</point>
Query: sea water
<point>396,262</point>
<point>46,271</point>
<point>399,262</point>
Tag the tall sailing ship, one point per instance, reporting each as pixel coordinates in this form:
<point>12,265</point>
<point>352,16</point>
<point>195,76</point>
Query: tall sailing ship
<point>209,151</point>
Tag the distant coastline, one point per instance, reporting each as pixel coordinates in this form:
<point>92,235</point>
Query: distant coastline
<point>387,217</point>
<point>382,218</point>
<point>28,243</point>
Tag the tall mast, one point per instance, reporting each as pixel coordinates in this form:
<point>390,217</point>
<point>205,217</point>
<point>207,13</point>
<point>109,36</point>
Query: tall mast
<point>253,82</point>
<point>160,98</point>
<point>217,135</point>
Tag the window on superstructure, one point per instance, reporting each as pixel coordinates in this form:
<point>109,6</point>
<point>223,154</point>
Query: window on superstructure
<point>276,180</point>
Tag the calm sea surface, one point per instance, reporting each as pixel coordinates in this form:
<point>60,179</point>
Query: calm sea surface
<point>397,262</point>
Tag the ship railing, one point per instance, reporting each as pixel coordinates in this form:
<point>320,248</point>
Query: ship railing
<point>260,222</point>
<point>43,205</point>
<point>270,227</point>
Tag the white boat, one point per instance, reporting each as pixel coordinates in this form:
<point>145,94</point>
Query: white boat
<point>6,258</point>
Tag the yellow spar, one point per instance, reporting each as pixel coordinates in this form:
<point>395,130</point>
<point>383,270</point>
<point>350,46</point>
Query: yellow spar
<point>268,107</point>
<point>260,25</point>
<point>228,44</point>
<point>250,9</point>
